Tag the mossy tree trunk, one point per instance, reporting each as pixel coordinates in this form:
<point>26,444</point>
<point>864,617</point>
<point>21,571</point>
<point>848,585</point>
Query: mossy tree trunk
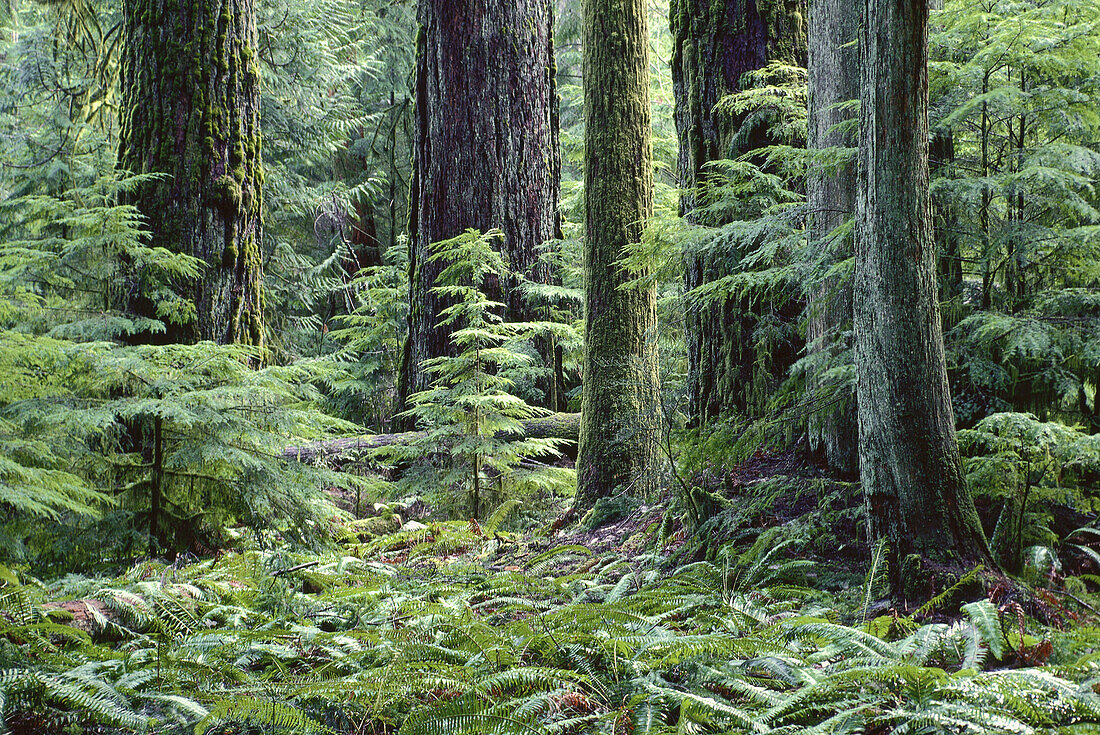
<point>831,194</point>
<point>909,459</point>
<point>715,43</point>
<point>486,155</point>
<point>620,403</point>
<point>191,110</point>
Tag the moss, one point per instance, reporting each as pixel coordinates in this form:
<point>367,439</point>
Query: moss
<point>786,33</point>
<point>227,194</point>
<point>229,255</point>
<point>613,451</point>
<point>256,330</point>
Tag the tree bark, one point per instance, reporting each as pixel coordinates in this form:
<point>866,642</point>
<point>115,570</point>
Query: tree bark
<point>834,79</point>
<point>620,404</point>
<point>715,43</point>
<point>909,460</point>
<point>191,110</point>
<point>486,155</point>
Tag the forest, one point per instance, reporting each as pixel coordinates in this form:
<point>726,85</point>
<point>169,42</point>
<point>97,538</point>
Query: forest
<point>424,367</point>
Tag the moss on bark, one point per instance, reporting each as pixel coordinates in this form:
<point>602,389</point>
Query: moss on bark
<point>909,459</point>
<point>619,408</point>
<point>190,110</point>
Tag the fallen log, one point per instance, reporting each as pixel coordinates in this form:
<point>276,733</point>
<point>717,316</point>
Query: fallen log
<point>564,426</point>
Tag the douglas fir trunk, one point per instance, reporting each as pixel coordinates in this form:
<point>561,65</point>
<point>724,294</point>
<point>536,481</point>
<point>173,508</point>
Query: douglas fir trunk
<point>191,111</point>
<point>619,409</point>
<point>909,459</point>
<point>834,79</point>
<point>486,156</point>
<point>715,43</point>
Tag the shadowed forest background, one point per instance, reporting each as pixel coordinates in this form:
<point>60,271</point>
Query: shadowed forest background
<point>549,366</point>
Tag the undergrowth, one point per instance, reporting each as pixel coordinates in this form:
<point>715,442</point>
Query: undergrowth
<point>462,628</point>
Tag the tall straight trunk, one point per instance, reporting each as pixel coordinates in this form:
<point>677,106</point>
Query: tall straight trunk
<point>945,224</point>
<point>715,43</point>
<point>909,459</point>
<point>831,196</point>
<point>620,404</point>
<point>156,488</point>
<point>191,110</point>
<point>486,154</point>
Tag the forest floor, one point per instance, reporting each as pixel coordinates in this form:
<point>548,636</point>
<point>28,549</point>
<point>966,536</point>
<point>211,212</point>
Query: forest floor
<point>626,624</point>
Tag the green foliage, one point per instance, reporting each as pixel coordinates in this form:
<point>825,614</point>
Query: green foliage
<point>363,384</point>
<point>726,647</point>
<point>179,442</point>
<point>469,413</point>
<point>1024,466</point>
<point>68,263</point>
<point>193,424</point>
<point>1014,92</point>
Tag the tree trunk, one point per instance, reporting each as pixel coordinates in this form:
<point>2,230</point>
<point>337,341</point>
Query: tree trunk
<point>909,459</point>
<point>945,226</point>
<point>715,43</point>
<point>834,79</point>
<point>620,403</point>
<point>191,110</point>
<point>486,155</point>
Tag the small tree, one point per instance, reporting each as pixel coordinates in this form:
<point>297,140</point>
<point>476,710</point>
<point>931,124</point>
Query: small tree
<point>468,412</point>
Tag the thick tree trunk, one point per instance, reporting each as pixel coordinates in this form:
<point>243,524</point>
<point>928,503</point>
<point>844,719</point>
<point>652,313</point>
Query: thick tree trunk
<point>834,79</point>
<point>191,110</point>
<point>620,404</point>
<point>909,459</point>
<point>715,43</point>
<point>486,154</point>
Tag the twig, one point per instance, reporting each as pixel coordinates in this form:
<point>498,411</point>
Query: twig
<point>306,565</point>
<point>1079,601</point>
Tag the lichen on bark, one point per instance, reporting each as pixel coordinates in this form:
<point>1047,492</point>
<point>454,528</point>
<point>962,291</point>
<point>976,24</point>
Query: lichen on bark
<point>830,199</point>
<point>915,491</point>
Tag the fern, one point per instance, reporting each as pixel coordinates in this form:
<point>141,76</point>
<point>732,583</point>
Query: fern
<point>256,711</point>
<point>985,617</point>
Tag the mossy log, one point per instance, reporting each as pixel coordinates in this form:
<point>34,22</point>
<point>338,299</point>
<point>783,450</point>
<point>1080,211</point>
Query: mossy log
<point>565,426</point>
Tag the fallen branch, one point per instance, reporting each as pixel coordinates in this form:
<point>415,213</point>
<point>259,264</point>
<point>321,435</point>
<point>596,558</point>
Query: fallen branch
<point>565,426</point>
<point>307,565</point>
